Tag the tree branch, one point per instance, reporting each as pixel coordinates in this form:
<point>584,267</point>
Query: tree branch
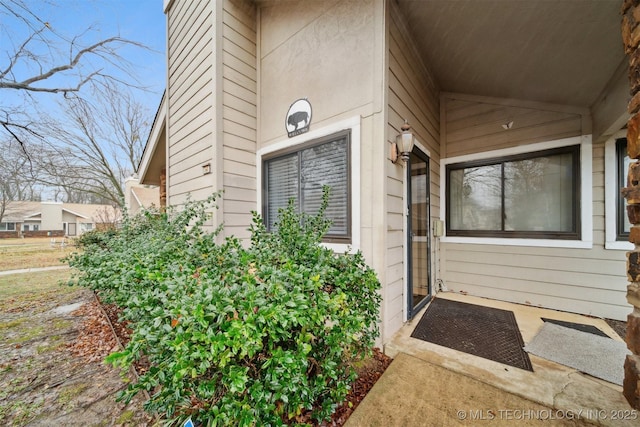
<point>19,53</point>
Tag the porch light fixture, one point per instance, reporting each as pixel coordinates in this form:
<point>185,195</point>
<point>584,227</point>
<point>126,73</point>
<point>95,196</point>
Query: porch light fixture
<point>401,149</point>
<point>206,169</point>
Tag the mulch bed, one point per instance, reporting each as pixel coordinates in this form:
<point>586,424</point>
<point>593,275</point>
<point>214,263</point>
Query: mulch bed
<point>95,340</point>
<point>368,373</point>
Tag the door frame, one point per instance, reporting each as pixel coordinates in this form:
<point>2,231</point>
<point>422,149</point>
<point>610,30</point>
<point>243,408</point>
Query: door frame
<point>411,310</point>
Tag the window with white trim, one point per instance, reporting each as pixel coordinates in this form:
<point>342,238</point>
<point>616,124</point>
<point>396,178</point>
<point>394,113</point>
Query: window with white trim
<point>531,195</point>
<point>7,226</point>
<point>302,173</point>
<point>86,226</point>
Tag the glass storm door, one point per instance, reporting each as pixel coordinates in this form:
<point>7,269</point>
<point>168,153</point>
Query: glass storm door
<point>418,227</point>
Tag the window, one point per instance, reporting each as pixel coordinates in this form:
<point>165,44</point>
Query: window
<point>25,227</point>
<point>86,226</point>
<point>7,226</point>
<point>301,175</point>
<point>531,195</point>
<point>622,166</point>
<point>36,227</point>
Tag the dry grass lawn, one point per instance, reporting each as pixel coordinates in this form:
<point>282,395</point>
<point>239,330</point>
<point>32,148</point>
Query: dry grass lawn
<point>31,253</point>
<point>29,288</point>
<point>43,382</point>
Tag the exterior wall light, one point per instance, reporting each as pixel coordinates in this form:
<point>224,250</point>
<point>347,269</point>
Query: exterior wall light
<point>206,169</point>
<point>401,149</point>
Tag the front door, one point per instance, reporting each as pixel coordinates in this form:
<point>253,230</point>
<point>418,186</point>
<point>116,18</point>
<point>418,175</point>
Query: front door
<point>418,227</point>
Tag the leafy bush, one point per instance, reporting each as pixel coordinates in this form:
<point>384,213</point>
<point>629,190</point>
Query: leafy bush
<point>95,237</point>
<point>264,335</point>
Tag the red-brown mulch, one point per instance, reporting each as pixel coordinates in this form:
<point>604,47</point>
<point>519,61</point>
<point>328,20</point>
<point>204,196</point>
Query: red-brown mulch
<point>368,373</point>
<point>95,340</point>
<point>121,328</point>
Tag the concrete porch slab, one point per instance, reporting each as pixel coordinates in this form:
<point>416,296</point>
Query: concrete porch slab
<point>414,392</point>
<point>588,400</point>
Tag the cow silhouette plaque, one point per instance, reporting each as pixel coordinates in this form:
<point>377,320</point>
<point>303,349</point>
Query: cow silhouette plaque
<point>298,118</point>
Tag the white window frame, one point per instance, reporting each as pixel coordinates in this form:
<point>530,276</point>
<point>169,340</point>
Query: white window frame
<point>6,226</point>
<point>86,226</point>
<point>352,124</point>
<point>611,194</point>
<point>586,198</point>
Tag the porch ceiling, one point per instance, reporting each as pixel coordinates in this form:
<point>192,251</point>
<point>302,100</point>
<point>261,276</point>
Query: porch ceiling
<point>557,51</point>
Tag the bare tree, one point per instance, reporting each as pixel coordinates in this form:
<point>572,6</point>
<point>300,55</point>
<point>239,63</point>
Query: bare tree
<point>96,147</point>
<point>108,217</point>
<point>16,181</point>
<point>48,61</point>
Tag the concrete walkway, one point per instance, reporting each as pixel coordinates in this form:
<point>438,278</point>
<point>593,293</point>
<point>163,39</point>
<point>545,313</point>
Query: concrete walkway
<point>33,270</point>
<point>431,385</point>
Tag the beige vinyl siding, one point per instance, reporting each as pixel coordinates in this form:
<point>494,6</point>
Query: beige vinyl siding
<point>583,281</point>
<point>239,101</point>
<point>475,123</point>
<point>412,95</point>
<point>191,102</point>
<point>589,281</point>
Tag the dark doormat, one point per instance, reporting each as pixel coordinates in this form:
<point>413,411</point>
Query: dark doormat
<point>582,327</point>
<point>482,331</point>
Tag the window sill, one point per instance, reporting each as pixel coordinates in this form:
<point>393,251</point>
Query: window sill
<point>544,243</point>
<point>620,246</point>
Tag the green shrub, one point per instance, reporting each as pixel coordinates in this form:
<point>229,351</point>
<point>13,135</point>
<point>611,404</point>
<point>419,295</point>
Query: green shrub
<point>95,237</point>
<point>236,336</point>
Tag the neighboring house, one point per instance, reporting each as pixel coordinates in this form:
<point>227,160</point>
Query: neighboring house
<point>518,108</point>
<point>38,219</point>
<point>140,197</point>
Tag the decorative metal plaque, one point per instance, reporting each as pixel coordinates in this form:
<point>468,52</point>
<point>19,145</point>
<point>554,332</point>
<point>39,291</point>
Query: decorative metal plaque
<point>298,118</point>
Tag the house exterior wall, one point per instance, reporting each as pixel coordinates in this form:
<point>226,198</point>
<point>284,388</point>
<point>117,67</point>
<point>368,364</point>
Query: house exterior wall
<point>212,107</point>
<point>328,52</point>
<point>73,223</point>
<point>474,123</point>
<point>588,279</point>
<point>235,68</point>
<point>412,96</point>
<point>239,115</point>
<point>130,201</point>
<point>191,101</point>
<point>51,214</point>
<point>70,218</point>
